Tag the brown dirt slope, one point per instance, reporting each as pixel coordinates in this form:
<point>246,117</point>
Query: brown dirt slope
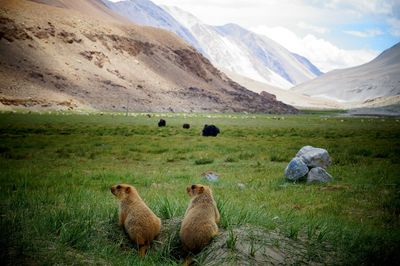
<point>80,53</point>
<point>246,245</point>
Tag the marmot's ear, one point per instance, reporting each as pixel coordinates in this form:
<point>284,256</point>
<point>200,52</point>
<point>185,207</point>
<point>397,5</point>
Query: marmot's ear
<point>201,189</point>
<point>128,190</point>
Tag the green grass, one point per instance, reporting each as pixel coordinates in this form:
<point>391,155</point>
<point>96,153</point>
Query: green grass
<point>56,171</point>
<point>231,241</point>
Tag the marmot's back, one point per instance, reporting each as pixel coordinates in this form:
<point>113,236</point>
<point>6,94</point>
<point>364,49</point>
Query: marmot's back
<point>199,225</point>
<point>142,223</point>
<point>139,222</point>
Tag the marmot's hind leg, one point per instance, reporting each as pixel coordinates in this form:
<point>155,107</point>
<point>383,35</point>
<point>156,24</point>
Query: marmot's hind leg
<point>188,261</point>
<point>143,250</point>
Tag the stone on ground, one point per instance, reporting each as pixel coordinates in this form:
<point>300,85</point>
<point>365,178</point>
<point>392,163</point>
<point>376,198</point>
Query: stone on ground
<point>318,175</point>
<point>314,157</point>
<point>296,169</point>
<point>210,176</point>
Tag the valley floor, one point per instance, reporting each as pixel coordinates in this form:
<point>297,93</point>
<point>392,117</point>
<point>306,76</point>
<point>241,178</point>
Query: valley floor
<point>56,171</point>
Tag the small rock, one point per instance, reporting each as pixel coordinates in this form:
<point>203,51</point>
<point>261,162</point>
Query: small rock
<point>318,175</point>
<point>296,169</point>
<point>155,185</point>
<point>241,186</point>
<point>314,157</point>
<point>210,176</point>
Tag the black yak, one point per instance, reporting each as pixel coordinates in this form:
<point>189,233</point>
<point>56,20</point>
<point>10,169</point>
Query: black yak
<point>210,130</point>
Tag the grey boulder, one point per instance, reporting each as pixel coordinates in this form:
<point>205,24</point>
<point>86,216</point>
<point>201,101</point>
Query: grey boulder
<point>296,169</point>
<point>318,175</point>
<point>304,150</point>
<point>314,157</point>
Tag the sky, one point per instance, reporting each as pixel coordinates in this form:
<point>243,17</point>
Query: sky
<point>332,34</point>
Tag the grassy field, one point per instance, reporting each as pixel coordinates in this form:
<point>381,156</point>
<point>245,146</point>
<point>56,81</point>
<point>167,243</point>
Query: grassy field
<point>56,172</point>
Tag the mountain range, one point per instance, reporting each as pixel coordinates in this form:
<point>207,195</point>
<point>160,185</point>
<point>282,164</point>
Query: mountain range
<point>79,54</point>
<point>228,47</point>
<point>261,64</point>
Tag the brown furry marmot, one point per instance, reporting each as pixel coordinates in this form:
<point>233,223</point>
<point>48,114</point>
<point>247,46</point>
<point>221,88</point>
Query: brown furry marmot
<point>139,222</point>
<point>199,225</point>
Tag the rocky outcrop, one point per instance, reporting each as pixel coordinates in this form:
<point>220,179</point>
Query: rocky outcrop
<point>268,96</point>
<point>99,58</point>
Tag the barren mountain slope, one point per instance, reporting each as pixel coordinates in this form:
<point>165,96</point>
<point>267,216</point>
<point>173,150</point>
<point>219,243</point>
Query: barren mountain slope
<point>65,55</point>
<point>93,8</point>
<point>376,81</point>
<point>146,13</point>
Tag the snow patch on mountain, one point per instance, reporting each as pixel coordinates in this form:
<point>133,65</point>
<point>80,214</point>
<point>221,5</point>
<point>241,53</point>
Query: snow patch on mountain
<point>246,53</point>
<point>308,64</point>
<point>230,46</point>
<point>145,12</point>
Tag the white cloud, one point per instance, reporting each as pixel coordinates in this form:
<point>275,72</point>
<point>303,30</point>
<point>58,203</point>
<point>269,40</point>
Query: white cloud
<point>314,28</point>
<point>394,26</point>
<point>363,6</point>
<point>365,34</point>
<point>325,55</point>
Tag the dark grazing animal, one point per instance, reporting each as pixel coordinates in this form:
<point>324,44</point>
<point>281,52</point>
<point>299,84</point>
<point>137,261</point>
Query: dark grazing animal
<point>187,126</point>
<point>162,123</point>
<point>210,130</point>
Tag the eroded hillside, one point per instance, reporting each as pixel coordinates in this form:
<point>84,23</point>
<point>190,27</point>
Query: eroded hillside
<point>60,56</point>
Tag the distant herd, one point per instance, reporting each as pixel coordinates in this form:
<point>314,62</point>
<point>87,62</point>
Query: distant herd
<point>208,130</point>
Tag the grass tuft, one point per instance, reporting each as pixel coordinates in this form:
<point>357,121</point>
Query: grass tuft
<point>231,240</point>
<point>167,208</point>
<point>203,161</point>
